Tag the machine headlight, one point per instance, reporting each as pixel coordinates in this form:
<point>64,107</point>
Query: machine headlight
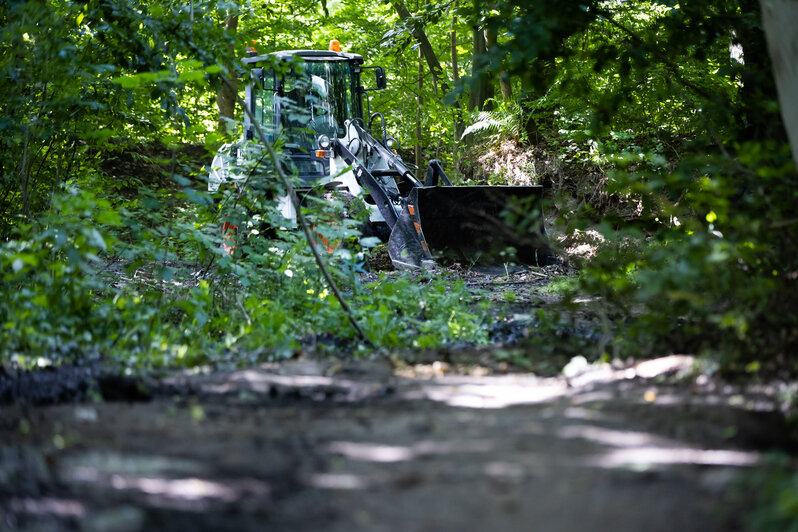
<point>324,142</point>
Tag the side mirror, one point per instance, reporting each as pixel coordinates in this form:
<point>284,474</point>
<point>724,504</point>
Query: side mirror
<point>382,81</point>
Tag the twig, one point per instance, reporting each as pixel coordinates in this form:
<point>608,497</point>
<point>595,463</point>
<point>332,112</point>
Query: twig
<point>241,306</point>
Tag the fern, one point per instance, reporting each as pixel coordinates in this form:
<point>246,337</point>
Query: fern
<point>506,121</point>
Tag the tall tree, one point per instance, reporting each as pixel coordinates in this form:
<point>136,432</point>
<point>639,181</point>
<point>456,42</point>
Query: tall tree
<point>482,87</point>
<point>420,107</point>
<point>458,117</point>
<point>226,96</point>
<point>492,46</point>
<point>779,20</point>
<point>453,46</point>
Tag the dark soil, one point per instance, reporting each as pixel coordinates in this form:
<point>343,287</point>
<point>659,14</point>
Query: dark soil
<point>366,445</point>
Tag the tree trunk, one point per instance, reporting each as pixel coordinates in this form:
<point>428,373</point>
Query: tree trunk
<point>226,96</point>
<point>758,117</point>
<point>481,89</point>
<point>504,79</point>
<point>419,109</point>
<point>458,117</point>
<point>453,44</point>
<point>23,176</point>
<point>779,22</point>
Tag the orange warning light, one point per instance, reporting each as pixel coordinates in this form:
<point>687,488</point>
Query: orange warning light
<point>335,46</point>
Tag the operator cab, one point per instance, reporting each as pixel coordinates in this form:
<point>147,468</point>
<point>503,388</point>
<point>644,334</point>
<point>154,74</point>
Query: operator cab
<point>319,92</point>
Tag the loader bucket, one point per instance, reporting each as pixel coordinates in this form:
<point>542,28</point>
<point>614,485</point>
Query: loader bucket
<point>485,224</point>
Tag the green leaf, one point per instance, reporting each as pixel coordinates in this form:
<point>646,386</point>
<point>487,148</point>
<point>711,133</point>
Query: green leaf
<point>128,82</point>
<point>97,240</point>
<point>370,241</point>
<point>193,75</point>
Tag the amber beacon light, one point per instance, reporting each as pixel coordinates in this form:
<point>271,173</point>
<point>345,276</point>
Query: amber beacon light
<point>335,46</point>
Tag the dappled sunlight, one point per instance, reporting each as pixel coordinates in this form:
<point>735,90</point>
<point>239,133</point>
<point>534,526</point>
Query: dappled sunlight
<point>261,382</point>
<point>316,381</point>
<point>504,470</point>
<point>493,392</point>
<point>337,481</point>
<point>598,396</point>
<point>190,489</point>
<point>187,494</point>
<point>581,244</point>
<point>94,465</point>
<point>605,436</point>
<point>48,506</point>
<point>371,452</point>
<point>190,494</point>
<point>158,481</point>
<point>500,438</point>
<point>649,369</point>
<point>377,452</point>
<point>578,412</point>
<point>654,457</point>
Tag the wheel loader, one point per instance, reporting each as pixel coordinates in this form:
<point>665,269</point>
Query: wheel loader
<point>310,102</point>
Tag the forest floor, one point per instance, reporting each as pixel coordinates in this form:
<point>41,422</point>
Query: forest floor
<point>436,440</point>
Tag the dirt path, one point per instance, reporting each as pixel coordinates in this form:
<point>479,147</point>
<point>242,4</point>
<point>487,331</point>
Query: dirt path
<point>308,445</point>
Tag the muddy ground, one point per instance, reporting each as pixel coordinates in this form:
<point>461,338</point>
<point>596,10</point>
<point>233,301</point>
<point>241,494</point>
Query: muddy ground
<point>444,441</point>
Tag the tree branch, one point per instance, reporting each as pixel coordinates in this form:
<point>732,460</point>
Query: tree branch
<point>425,46</point>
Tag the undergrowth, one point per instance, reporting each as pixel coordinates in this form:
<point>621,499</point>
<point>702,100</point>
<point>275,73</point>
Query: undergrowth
<point>145,281</point>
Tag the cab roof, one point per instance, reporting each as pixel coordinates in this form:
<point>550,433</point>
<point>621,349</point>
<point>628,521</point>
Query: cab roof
<point>307,55</point>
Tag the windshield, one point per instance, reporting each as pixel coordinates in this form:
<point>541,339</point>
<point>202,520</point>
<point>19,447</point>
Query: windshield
<point>314,98</point>
<point>317,98</point>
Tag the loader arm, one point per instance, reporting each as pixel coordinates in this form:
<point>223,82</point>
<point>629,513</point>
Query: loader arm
<point>407,246</point>
<point>466,223</point>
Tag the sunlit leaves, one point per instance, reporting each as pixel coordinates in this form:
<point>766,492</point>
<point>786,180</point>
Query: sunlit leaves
<point>185,72</point>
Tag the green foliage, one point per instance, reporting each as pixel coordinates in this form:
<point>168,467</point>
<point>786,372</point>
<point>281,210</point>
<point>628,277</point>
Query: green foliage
<point>776,501</point>
<point>71,289</point>
<point>50,279</point>
<point>665,104</point>
<point>716,278</point>
<point>408,312</point>
<point>506,120</point>
<point>73,75</point>
<point>646,95</point>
